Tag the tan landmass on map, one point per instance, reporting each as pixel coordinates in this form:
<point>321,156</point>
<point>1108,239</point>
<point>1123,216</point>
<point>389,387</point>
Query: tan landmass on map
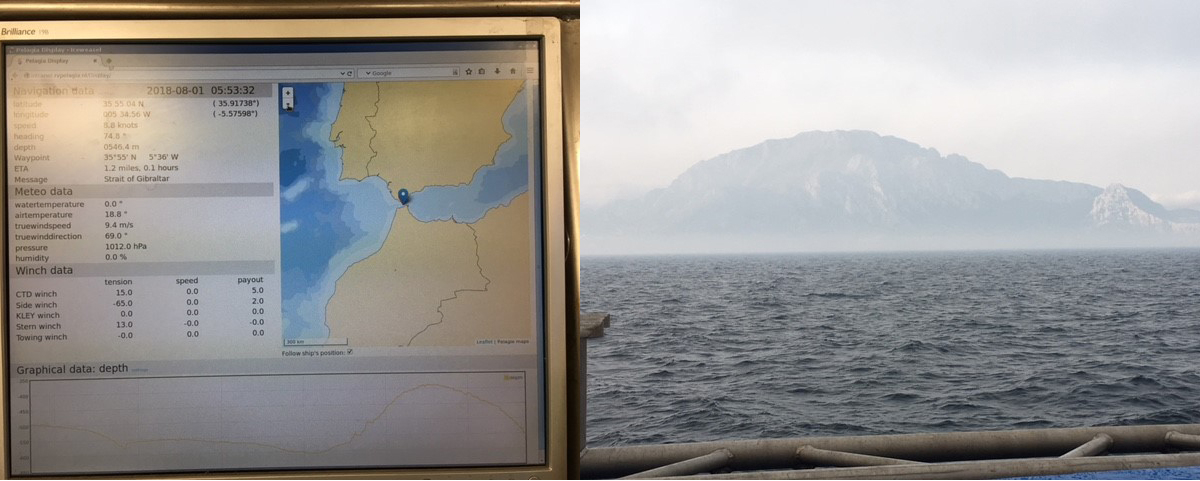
<point>390,297</point>
<point>352,132</point>
<point>505,311</point>
<point>418,134</point>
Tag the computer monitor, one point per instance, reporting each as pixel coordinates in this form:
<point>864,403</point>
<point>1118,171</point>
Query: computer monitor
<point>284,247</point>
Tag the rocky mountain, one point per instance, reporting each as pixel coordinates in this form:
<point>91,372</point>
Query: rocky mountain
<point>858,190</point>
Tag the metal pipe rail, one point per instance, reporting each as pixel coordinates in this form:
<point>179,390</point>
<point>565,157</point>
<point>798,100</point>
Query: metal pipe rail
<point>988,469</point>
<point>763,454</point>
<point>822,457</point>
<point>1185,441</point>
<point>1096,446</point>
<point>704,464</point>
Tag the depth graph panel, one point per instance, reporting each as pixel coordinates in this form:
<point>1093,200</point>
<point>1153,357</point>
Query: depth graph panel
<point>280,421</point>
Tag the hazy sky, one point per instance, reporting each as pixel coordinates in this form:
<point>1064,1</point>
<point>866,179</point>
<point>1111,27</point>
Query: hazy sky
<point>1089,91</point>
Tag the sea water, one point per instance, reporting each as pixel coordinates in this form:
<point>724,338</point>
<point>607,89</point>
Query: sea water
<point>734,347</point>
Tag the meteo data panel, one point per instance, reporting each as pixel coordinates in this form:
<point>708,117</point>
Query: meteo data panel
<point>243,256</point>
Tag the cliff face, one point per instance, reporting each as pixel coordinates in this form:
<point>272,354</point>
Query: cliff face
<point>860,190</point>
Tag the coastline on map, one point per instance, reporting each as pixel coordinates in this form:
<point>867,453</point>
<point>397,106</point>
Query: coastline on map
<point>315,202</point>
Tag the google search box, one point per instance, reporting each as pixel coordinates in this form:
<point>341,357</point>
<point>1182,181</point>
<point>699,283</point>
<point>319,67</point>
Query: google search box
<point>408,72</point>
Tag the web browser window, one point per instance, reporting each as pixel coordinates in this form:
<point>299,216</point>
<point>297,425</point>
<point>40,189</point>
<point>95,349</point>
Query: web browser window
<point>274,256</point>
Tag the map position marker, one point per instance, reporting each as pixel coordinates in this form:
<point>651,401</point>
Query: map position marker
<point>403,195</point>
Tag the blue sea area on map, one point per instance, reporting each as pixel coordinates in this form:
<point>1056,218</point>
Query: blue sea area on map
<point>326,224</point>
<point>492,186</point>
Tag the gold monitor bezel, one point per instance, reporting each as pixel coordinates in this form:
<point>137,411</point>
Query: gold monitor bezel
<point>546,30</point>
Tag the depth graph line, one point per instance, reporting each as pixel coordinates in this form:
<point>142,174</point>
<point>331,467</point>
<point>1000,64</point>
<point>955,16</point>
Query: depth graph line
<point>353,436</point>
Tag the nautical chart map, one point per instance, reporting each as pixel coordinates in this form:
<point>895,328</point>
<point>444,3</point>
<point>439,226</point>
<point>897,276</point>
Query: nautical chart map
<point>406,216</point>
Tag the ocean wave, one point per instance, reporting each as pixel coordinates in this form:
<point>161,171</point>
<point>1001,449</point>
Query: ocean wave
<point>837,295</point>
<point>880,344</point>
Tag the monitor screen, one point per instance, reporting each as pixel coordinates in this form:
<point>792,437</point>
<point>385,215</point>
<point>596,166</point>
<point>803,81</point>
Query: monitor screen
<point>286,253</point>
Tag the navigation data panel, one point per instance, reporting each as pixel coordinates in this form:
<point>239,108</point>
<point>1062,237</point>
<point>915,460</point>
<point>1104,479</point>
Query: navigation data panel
<point>230,257</point>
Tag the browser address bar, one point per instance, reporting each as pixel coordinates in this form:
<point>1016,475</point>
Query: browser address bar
<point>248,74</point>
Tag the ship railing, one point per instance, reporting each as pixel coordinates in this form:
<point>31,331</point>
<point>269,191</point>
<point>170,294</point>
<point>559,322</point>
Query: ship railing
<point>954,455</point>
<point>951,455</point>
